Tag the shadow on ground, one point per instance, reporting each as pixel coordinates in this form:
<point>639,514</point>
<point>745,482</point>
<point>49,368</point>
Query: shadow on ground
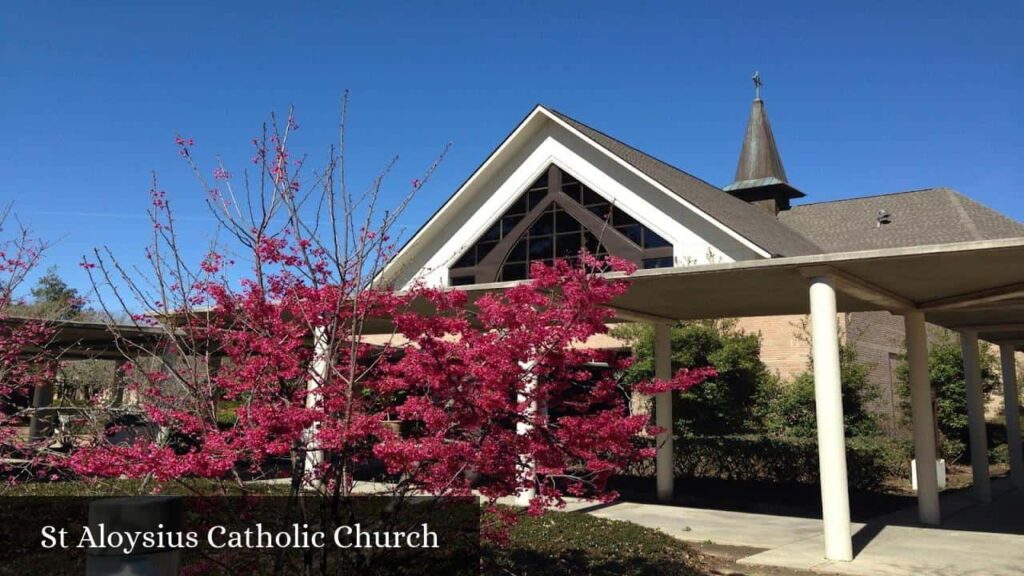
<point>876,509</point>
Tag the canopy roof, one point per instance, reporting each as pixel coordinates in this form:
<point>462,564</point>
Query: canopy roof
<point>75,340</point>
<point>963,286</point>
<point>975,286</point>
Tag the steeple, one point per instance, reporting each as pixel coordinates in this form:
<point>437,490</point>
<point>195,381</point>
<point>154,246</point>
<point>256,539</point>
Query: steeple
<point>760,178</point>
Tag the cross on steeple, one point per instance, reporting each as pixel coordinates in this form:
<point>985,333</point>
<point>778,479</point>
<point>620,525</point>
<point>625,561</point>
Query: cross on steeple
<point>760,178</point>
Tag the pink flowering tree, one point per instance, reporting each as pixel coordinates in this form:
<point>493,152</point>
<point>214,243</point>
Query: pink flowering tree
<point>25,364</point>
<point>284,356</point>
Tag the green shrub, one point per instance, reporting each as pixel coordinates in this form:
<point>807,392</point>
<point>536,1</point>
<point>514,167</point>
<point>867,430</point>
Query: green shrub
<point>870,460</point>
<point>787,409</point>
<point>951,449</point>
<point>999,454</point>
<point>721,405</point>
<point>946,373</point>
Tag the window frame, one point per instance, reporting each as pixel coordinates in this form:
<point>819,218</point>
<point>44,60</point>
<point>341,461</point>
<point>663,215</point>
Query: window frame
<point>489,268</point>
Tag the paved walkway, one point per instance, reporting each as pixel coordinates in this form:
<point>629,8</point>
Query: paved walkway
<point>973,540</point>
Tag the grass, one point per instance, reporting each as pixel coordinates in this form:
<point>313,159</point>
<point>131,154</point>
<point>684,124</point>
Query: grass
<point>554,544</point>
<point>565,543</point>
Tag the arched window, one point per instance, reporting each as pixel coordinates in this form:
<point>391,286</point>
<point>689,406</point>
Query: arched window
<point>554,218</point>
<point>555,234</point>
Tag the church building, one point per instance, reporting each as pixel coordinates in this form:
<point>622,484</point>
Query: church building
<point>555,185</point>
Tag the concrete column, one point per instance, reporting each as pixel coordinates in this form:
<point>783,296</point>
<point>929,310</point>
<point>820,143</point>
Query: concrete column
<point>1012,410</point>
<point>40,424</point>
<point>168,365</point>
<point>117,395</point>
<point>213,364</point>
<point>663,413</point>
<point>828,401</point>
<point>923,419</point>
<point>318,374</point>
<point>976,416</point>
<point>526,467</point>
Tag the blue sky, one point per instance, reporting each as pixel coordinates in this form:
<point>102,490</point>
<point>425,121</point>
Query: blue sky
<point>864,98</point>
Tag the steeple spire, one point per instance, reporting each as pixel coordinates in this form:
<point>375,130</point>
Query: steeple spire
<point>760,177</point>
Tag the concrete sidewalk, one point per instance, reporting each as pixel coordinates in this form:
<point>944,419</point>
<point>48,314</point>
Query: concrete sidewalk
<point>718,526</point>
<point>974,539</point>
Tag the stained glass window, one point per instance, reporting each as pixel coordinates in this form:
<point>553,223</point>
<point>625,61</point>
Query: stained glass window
<point>504,225</point>
<point>556,233</point>
<point>636,232</point>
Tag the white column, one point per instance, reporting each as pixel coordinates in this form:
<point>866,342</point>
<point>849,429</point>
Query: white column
<point>526,467</point>
<point>1012,410</point>
<point>665,463</point>
<point>976,416</point>
<point>318,375</point>
<point>828,401</point>
<point>922,418</point>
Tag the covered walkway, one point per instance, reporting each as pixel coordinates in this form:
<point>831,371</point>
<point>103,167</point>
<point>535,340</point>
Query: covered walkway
<point>982,539</point>
<point>975,288</point>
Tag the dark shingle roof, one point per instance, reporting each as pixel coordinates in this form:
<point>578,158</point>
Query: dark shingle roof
<point>917,218</point>
<point>753,223</point>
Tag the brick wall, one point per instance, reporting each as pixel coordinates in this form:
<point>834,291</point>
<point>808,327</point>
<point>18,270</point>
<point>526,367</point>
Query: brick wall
<point>785,342</point>
<point>878,338</point>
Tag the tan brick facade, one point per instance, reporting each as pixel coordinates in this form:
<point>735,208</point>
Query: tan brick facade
<point>879,340</point>
<point>877,337</point>
<point>785,342</point>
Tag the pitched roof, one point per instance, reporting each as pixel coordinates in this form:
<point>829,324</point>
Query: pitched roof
<point>749,221</point>
<point>916,218</point>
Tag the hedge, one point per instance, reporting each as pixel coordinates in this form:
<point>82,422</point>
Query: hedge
<point>870,460</point>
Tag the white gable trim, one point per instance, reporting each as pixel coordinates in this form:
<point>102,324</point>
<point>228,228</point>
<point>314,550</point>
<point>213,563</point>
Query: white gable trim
<point>659,186</point>
<point>393,268</point>
<point>508,191</point>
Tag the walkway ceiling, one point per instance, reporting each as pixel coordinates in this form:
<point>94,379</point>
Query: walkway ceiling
<point>962,286</point>
<point>966,285</point>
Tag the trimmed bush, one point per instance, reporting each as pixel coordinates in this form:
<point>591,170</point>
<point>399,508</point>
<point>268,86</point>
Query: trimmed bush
<point>870,460</point>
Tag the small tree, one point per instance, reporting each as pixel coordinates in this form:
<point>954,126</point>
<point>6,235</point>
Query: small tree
<point>946,375</point>
<point>53,299</point>
<point>724,403</point>
<point>496,398</point>
<point>788,409</point>
<point>25,365</point>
